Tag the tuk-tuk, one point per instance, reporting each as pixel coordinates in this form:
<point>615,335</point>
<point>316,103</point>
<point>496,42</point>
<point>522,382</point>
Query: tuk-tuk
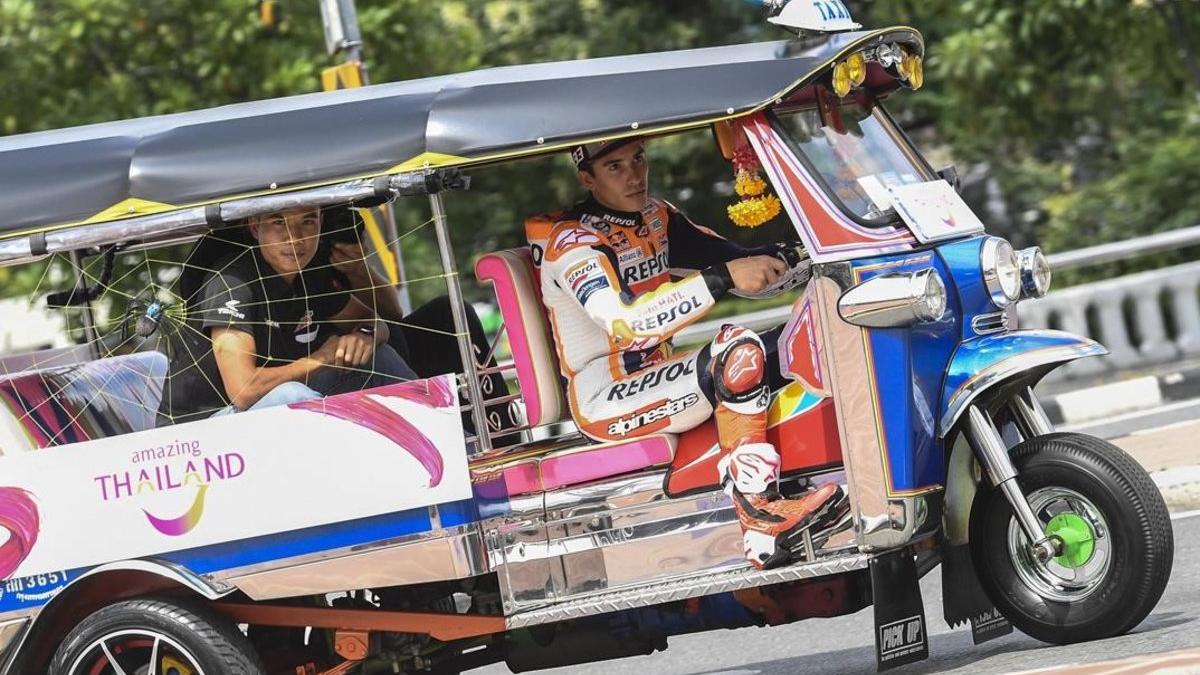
<point>400,539</point>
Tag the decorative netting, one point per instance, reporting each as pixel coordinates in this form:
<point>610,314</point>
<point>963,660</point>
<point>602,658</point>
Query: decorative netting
<point>286,298</point>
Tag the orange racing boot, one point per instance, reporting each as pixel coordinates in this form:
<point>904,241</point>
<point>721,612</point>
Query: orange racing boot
<point>773,527</point>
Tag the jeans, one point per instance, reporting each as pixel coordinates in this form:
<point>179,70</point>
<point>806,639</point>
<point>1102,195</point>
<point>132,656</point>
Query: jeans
<point>387,367</point>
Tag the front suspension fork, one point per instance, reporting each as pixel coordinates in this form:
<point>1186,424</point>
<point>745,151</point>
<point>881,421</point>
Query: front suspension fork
<point>993,454</point>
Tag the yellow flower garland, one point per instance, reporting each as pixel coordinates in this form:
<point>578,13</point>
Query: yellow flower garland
<point>754,211</point>
<point>755,206</point>
<point>749,185</point>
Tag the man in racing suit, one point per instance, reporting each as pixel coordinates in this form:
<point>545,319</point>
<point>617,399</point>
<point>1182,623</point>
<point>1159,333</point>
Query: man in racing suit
<point>606,266</point>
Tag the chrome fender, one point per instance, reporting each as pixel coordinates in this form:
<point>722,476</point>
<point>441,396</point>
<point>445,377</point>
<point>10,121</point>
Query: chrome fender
<point>155,575</point>
<point>984,362</point>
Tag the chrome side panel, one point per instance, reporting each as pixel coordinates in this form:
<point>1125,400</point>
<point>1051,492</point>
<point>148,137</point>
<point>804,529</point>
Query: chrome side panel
<point>882,520</point>
<point>519,552</point>
<point>618,536</point>
<point>688,587</point>
<point>455,553</point>
<point>630,533</point>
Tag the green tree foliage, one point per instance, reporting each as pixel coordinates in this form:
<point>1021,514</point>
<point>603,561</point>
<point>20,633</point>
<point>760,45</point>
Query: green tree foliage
<point>1083,113</point>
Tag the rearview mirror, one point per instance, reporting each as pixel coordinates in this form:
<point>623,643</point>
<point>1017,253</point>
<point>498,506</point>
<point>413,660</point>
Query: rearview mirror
<point>726,138</point>
<point>950,175</point>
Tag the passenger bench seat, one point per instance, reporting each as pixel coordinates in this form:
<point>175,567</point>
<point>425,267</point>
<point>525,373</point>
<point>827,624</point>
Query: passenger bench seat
<point>68,404</point>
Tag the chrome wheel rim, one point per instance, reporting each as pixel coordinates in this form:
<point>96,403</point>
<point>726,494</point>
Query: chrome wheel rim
<point>135,652</point>
<point>1053,579</point>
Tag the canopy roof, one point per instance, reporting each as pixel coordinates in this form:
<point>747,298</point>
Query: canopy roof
<point>106,172</point>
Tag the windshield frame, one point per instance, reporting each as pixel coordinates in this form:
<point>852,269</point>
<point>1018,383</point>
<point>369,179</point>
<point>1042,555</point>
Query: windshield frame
<point>890,127</point>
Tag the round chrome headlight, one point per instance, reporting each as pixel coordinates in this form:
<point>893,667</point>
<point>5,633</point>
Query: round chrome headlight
<point>1001,271</point>
<point>931,305</point>
<point>1035,272</point>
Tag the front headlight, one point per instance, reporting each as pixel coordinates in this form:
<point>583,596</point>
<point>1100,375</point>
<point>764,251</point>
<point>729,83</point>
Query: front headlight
<point>1001,271</point>
<point>1035,272</point>
<point>895,300</point>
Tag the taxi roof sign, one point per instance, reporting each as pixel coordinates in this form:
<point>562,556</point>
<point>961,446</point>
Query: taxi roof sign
<point>820,16</point>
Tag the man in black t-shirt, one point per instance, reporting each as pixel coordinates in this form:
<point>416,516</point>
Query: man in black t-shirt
<point>267,328</point>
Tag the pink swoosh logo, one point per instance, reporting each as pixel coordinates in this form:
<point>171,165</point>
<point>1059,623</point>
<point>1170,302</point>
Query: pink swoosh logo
<point>18,515</point>
<point>174,527</point>
<point>359,409</point>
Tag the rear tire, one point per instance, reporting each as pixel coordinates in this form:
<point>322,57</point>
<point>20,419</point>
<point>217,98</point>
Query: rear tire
<point>1100,588</point>
<point>182,636</point>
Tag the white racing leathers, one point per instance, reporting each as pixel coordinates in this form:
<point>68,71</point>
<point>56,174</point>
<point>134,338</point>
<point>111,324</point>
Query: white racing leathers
<point>606,283</point>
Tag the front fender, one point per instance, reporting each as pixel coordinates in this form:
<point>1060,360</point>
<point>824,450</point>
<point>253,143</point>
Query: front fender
<point>981,363</point>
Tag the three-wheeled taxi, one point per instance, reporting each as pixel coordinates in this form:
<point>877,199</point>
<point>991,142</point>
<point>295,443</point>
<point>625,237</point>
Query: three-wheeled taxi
<point>374,531</point>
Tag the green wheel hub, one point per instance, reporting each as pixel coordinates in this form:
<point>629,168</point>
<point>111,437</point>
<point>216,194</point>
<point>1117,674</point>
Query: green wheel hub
<point>1078,539</point>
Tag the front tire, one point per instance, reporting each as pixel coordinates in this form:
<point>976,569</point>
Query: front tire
<point>1118,551</point>
<point>152,635</point>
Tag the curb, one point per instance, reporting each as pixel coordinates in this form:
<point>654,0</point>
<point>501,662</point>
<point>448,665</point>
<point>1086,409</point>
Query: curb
<point>1180,488</point>
<point>1176,476</point>
<point>1106,400</point>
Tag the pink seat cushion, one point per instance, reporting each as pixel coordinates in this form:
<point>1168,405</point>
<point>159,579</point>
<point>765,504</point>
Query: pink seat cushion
<point>514,279</point>
<point>528,474</point>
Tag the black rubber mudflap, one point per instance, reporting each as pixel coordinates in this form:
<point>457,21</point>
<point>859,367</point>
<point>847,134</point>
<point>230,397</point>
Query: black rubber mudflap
<point>967,601</point>
<point>900,635</point>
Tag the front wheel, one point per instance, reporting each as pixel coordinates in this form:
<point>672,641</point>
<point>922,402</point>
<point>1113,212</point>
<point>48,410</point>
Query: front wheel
<point>1114,533</point>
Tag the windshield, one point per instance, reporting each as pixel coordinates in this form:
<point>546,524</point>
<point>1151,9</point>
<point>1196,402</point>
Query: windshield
<point>858,152</point>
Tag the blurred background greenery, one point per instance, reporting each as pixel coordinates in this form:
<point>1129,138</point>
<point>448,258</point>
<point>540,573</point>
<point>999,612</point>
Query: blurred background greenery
<point>1071,122</point>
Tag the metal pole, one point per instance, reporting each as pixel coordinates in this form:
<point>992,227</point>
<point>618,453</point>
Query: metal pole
<point>1119,250</point>
<point>86,309</point>
<point>994,456</point>
<point>340,18</point>
<point>466,350</point>
<point>1029,413</point>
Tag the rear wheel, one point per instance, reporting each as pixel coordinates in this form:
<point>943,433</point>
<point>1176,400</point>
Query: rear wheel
<point>1112,528</point>
<point>155,637</point>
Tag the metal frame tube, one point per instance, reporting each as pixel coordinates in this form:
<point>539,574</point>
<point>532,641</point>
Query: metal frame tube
<point>1030,415</point>
<point>458,309</point>
<point>332,195</point>
<point>992,453</point>
<point>87,311</point>
<point>175,224</point>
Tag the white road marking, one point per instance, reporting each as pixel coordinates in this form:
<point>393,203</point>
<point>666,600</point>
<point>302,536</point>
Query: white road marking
<point>1182,515</point>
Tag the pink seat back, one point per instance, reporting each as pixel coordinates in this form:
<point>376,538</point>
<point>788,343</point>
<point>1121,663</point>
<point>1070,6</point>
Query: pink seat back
<point>515,281</point>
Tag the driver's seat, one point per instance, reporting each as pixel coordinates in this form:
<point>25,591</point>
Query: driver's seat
<point>515,280</point>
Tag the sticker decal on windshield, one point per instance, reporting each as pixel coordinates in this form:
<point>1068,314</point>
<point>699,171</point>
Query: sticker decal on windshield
<point>934,211</point>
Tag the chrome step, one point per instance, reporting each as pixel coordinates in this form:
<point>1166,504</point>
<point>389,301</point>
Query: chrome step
<point>682,589</point>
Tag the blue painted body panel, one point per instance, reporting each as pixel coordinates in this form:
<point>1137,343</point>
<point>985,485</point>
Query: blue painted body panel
<point>962,259</point>
<point>916,369</point>
<point>908,366</point>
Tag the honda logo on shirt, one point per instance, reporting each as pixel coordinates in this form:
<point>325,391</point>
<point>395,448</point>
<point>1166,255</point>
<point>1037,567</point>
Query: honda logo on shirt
<point>306,330</point>
<point>231,309</point>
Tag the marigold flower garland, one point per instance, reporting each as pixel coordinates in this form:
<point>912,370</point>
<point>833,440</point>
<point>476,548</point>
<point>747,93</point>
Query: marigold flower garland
<point>755,206</point>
